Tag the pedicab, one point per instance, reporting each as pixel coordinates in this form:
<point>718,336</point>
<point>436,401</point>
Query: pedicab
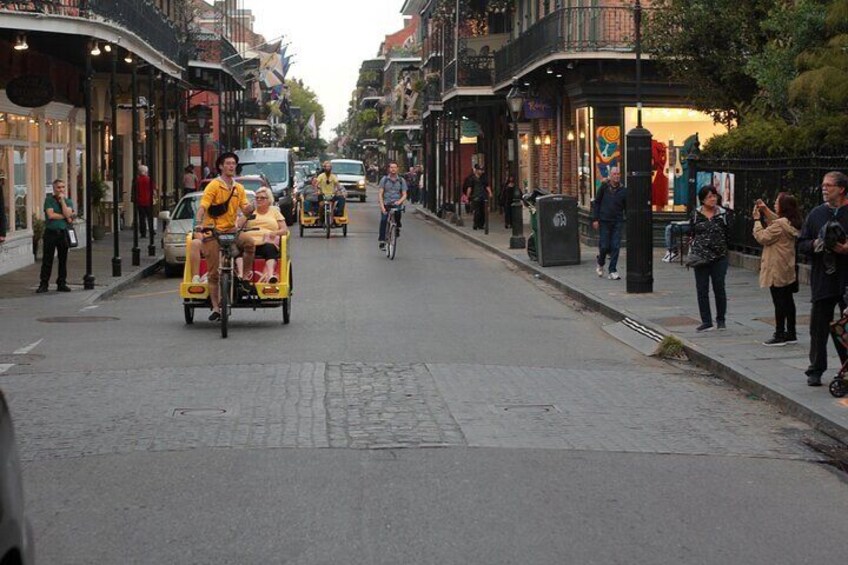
<point>323,219</point>
<point>276,292</point>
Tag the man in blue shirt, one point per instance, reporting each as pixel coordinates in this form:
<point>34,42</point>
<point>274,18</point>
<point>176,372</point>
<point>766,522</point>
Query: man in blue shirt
<point>608,218</point>
<point>58,212</point>
<point>392,194</point>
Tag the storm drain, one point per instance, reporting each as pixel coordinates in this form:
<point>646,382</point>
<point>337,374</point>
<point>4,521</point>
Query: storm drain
<point>77,319</point>
<point>526,408</point>
<point>199,412</point>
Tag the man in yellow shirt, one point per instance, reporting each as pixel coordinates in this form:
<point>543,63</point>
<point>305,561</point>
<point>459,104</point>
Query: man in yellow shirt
<point>328,184</point>
<point>222,199</point>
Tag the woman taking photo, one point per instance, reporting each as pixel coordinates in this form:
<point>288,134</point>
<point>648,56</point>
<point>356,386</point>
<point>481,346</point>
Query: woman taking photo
<point>710,230</point>
<point>777,232</point>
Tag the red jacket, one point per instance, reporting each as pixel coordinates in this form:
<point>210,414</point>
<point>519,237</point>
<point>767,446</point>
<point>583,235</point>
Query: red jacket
<point>143,191</point>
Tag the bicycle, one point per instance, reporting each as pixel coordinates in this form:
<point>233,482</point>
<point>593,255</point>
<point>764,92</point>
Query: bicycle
<point>393,229</point>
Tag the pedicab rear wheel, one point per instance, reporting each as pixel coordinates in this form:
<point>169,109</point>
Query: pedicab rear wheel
<point>344,230</point>
<point>188,312</point>
<point>287,301</point>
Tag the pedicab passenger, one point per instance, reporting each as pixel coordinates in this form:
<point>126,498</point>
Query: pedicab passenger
<point>271,227</point>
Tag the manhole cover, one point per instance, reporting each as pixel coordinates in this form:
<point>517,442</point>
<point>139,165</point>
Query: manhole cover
<point>527,408</point>
<point>77,319</point>
<point>205,412</point>
<point>676,321</point>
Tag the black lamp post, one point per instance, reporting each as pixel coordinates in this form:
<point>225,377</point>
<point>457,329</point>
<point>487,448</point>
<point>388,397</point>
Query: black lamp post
<point>116,176</point>
<point>136,251</point>
<point>640,268</point>
<point>515,101</point>
<point>88,279</point>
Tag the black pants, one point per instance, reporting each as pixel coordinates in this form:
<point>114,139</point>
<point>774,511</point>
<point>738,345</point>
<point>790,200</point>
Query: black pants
<point>784,309</point>
<point>479,213</point>
<point>715,271</point>
<point>54,242</point>
<point>145,220</point>
<point>821,315</point>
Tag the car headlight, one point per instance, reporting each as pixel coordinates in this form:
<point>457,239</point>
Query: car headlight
<point>175,238</point>
<point>361,184</point>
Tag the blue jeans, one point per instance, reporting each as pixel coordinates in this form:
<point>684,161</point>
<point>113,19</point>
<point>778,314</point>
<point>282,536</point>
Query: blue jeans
<point>340,204</point>
<point>680,229</point>
<point>609,244</point>
<point>717,272</point>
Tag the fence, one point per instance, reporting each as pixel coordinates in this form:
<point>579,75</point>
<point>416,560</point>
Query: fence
<point>754,179</point>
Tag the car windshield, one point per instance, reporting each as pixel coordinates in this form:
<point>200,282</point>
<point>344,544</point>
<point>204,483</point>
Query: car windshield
<point>274,172</point>
<point>252,184</point>
<point>348,168</point>
<point>187,208</point>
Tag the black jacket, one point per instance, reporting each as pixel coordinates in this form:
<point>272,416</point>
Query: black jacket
<point>823,285</point>
<point>610,204</point>
<point>710,235</point>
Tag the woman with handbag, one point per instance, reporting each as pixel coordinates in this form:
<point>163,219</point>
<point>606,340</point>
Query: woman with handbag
<point>777,232</point>
<point>708,256</point>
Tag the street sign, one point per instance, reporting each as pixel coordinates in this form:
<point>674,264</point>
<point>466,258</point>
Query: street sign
<point>30,91</point>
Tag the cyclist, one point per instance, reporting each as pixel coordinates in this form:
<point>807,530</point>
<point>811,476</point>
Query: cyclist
<point>222,199</point>
<point>330,188</point>
<point>392,193</point>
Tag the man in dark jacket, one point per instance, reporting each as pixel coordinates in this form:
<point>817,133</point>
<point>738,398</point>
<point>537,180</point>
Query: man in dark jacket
<point>826,287</point>
<point>608,217</point>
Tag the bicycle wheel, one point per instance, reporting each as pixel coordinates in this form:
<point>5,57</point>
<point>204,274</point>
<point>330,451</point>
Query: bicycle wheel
<point>226,284</point>
<point>188,311</point>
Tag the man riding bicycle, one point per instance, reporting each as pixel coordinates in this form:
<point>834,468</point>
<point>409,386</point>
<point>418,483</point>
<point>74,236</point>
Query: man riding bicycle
<point>392,194</point>
<point>222,199</point>
<point>330,188</point>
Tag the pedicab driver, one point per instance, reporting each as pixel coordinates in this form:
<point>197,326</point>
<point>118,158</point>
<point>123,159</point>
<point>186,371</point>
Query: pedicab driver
<point>328,184</point>
<point>222,199</point>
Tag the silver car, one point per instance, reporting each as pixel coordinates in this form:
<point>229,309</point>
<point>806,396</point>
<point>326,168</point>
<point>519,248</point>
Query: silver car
<point>177,225</point>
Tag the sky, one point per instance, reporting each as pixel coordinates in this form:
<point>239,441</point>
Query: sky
<point>330,39</point>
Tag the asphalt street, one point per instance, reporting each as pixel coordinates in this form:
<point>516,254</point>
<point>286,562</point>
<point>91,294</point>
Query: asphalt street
<point>439,408</point>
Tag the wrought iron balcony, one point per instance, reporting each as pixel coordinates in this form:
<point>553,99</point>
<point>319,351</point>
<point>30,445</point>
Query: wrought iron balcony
<point>470,70</point>
<point>577,30</point>
<point>140,17</point>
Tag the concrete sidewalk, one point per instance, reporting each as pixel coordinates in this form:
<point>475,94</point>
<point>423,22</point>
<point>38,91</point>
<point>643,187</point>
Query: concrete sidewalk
<point>23,282</point>
<point>737,355</point>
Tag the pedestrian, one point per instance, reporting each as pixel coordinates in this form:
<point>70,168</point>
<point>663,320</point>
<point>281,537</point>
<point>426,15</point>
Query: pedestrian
<point>207,172</point>
<point>710,233</point>
<point>144,201</point>
<point>477,191</point>
<point>58,212</point>
<point>507,195</point>
<point>3,221</point>
<point>826,286</point>
<point>777,231</point>
<point>608,219</point>
<point>190,181</point>
<point>412,184</point>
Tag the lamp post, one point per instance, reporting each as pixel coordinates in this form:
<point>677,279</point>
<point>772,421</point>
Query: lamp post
<point>116,176</point>
<point>515,101</point>
<point>640,268</point>
<point>136,251</point>
<point>88,279</point>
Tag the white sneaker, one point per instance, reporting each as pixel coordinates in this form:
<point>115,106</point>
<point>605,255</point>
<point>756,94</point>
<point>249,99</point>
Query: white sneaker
<point>667,257</point>
<point>614,276</point>
<point>195,279</point>
<point>599,270</point>
<point>674,256</point>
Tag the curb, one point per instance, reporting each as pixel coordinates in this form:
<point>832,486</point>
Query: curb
<point>724,369</point>
<point>126,281</point>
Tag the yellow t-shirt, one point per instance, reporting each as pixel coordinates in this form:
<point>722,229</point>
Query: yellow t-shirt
<point>327,185</point>
<point>217,192</point>
<point>266,223</point>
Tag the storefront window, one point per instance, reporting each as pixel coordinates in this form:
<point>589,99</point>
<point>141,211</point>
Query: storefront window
<point>20,178</point>
<point>674,132</point>
<point>13,126</point>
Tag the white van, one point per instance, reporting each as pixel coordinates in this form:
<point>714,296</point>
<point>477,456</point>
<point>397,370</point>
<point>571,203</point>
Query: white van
<point>351,175</point>
<point>277,165</point>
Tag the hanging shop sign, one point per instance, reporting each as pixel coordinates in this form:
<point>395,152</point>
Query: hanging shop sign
<point>30,91</point>
<point>538,108</point>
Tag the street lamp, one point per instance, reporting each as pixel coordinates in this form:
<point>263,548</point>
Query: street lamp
<point>515,101</point>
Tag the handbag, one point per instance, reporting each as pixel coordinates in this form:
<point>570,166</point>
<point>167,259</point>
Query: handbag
<point>71,237</point>
<point>217,210</point>
<point>695,260</point>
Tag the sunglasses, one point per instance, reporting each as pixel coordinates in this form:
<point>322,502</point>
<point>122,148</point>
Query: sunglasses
<point>261,198</point>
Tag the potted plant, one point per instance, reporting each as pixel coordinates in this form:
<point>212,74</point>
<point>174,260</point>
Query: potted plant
<point>98,206</point>
<point>37,233</point>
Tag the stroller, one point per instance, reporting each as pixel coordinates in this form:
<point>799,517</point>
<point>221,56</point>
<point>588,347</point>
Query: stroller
<point>839,386</point>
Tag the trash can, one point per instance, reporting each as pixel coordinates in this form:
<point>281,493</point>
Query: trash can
<point>558,234</point>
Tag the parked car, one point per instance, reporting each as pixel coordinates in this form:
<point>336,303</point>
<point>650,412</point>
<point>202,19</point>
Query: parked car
<point>177,225</point>
<point>16,539</point>
<point>351,176</point>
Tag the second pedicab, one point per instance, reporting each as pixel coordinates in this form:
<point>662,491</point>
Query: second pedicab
<point>322,216</point>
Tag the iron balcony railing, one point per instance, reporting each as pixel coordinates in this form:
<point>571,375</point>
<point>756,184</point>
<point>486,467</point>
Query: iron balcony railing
<point>582,29</point>
<point>472,70</point>
<point>140,17</point>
